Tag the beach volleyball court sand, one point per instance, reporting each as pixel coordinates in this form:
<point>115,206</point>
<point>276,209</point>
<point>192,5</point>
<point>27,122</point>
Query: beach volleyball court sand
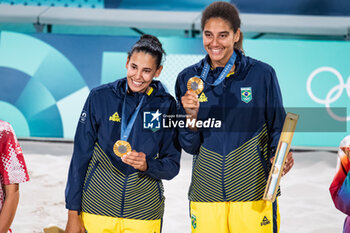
<point>305,204</point>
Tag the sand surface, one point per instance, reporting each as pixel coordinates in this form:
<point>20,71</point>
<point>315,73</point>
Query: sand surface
<point>305,204</point>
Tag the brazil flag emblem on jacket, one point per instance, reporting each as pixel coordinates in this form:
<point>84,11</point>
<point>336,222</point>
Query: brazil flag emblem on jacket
<point>246,94</point>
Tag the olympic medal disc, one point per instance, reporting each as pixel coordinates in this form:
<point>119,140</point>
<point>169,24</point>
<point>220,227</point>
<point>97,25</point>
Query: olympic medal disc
<point>195,84</point>
<point>121,148</point>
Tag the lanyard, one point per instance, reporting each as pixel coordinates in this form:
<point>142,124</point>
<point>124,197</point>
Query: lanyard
<point>223,73</point>
<point>126,127</point>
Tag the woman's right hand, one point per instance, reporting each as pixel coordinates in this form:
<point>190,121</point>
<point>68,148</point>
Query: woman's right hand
<point>74,223</point>
<point>190,103</point>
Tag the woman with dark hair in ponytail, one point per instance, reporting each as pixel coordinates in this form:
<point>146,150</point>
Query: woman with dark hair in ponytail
<point>231,162</point>
<point>121,153</point>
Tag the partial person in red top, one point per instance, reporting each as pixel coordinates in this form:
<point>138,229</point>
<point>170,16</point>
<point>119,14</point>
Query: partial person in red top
<point>13,171</point>
<point>340,187</point>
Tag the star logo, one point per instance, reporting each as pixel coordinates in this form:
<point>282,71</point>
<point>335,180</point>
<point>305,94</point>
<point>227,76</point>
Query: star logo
<point>156,115</point>
<point>151,120</point>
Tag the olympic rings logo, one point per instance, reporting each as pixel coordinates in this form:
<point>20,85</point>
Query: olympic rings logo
<point>329,99</point>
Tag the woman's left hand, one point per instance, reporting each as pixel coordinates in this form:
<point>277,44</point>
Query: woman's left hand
<point>136,159</point>
<point>288,164</point>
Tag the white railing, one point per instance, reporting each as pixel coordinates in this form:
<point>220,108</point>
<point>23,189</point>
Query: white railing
<point>258,23</point>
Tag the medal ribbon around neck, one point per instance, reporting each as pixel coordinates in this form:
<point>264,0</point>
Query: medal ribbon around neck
<point>223,73</point>
<point>126,127</point>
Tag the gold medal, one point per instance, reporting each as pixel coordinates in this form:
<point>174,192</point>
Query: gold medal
<point>121,148</point>
<point>275,170</point>
<point>195,84</point>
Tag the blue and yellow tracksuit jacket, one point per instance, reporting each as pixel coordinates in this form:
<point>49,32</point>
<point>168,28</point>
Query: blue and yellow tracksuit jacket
<point>232,163</point>
<point>98,181</point>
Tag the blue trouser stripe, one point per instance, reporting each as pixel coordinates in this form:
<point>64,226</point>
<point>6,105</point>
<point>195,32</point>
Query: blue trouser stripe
<point>274,209</point>
<point>161,225</point>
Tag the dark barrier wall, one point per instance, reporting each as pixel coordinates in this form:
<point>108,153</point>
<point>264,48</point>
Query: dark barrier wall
<point>295,7</point>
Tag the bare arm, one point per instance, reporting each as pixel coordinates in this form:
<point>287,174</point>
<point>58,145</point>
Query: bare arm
<point>74,223</point>
<point>9,208</point>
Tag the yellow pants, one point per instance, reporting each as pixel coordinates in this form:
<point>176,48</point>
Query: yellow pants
<point>235,217</point>
<point>104,224</point>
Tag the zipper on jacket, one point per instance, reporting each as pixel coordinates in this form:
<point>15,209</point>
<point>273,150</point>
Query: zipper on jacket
<point>123,196</point>
<point>159,190</point>
<point>224,150</point>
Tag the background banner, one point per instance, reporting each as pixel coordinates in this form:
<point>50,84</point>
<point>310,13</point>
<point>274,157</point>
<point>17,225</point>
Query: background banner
<point>45,79</point>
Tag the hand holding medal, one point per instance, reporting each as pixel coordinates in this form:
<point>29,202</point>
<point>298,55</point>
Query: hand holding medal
<point>136,159</point>
<point>196,85</point>
<point>121,148</point>
<point>190,101</point>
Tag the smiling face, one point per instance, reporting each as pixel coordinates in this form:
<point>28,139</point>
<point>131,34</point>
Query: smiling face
<point>141,68</point>
<point>218,40</point>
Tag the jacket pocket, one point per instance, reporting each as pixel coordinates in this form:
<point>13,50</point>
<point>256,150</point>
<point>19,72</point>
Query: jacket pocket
<point>89,174</point>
